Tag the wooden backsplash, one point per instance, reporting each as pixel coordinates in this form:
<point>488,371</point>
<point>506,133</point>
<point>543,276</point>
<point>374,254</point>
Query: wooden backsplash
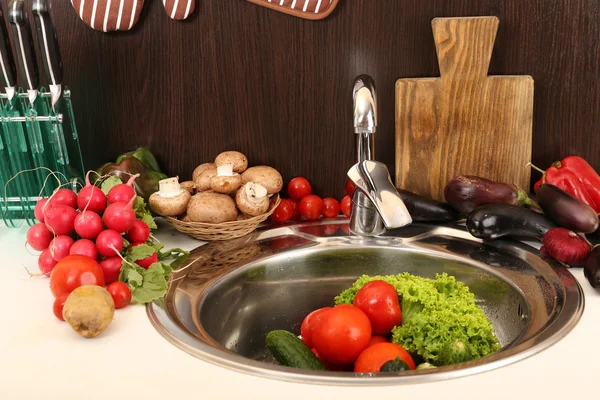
<point>239,76</point>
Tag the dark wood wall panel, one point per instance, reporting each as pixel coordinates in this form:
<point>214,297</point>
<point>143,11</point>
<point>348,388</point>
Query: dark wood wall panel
<point>237,76</point>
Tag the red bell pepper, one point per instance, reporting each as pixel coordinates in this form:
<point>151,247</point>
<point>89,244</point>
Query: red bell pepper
<point>584,172</point>
<point>568,181</point>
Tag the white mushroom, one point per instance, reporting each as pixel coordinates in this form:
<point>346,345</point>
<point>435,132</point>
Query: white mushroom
<point>190,186</point>
<point>226,181</point>
<point>239,161</point>
<point>265,176</point>
<point>252,199</point>
<point>171,199</point>
<point>213,208</point>
<point>200,169</point>
<point>203,180</point>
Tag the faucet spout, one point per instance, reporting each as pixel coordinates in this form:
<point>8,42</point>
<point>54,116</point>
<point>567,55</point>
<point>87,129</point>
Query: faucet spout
<point>376,201</point>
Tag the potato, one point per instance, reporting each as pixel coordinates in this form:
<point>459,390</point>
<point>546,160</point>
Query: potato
<point>210,207</point>
<point>265,176</point>
<point>89,310</point>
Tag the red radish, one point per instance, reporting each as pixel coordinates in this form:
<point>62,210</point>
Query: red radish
<point>46,262</point>
<point>64,197</point>
<point>38,211</point>
<point>88,225</point>
<point>120,293</point>
<point>59,219</point>
<point>148,261</point>
<point>39,237</point>
<point>119,216</point>
<point>109,243</point>
<point>59,304</point>
<point>84,247</point>
<point>91,198</point>
<point>122,193</point>
<point>60,246</point>
<point>566,246</point>
<point>111,267</point>
<point>139,232</point>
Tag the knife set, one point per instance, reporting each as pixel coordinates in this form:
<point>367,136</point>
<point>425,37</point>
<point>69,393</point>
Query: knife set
<point>38,137</point>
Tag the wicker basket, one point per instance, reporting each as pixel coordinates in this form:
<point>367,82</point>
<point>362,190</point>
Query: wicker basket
<point>225,230</point>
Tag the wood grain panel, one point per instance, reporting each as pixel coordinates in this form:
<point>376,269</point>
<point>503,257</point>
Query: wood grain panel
<point>464,123</point>
<point>235,75</point>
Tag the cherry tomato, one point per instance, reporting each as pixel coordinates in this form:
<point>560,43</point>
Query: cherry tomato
<point>346,205</point>
<point>299,187</point>
<point>350,187</point>
<point>296,216</point>
<point>373,357</point>
<point>58,305</point>
<point>74,271</point>
<point>310,207</point>
<point>308,325</point>
<point>377,339</point>
<point>379,301</point>
<point>331,207</point>
<point>120,293</point>
<point>283,212</point>
<point>343,333</point>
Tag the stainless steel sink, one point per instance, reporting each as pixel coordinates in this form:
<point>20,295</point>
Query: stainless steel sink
<point>221,305</point>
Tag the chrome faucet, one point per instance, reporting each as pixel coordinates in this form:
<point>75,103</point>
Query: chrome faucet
<point>376,204</point>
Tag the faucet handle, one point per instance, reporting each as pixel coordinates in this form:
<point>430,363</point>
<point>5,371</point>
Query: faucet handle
<point>373,178</point>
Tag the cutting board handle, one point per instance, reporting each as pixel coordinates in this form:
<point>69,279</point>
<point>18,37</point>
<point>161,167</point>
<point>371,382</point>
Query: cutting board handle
<point>464,46</point>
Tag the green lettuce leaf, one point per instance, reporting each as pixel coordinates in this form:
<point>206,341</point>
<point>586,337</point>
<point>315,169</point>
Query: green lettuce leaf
<point>109,183</point>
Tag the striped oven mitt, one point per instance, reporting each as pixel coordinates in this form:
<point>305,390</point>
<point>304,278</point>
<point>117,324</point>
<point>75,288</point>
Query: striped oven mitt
<point>122,15</point>
<point>109,15</point>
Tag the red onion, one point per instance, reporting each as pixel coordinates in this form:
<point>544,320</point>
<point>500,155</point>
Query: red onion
<point>566,246</point>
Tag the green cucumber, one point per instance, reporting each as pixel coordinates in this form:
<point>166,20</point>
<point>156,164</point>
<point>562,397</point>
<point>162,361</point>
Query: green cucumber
<point>288,350</point>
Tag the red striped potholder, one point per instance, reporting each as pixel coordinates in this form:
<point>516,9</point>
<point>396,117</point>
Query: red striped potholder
<point>109,15</point>
<point>309,9</point>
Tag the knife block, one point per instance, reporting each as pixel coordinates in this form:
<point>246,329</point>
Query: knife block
<point>36,142</point>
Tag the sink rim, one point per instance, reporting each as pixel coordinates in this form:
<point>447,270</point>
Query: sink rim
<point>217,354</point>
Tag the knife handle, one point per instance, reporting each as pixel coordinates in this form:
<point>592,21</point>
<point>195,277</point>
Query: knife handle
<point>7,61</point>
<point>24,45</point>
<point>48,42</point>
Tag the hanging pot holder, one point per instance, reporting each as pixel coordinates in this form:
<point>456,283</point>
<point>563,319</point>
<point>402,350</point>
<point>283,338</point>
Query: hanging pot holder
<point>307,9</point>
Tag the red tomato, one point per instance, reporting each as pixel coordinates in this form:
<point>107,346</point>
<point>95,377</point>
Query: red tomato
<point>346,205</point>
<point>309,323</point>
<point>331,207</point>
<point>379,301</point>
<point>296,216</point>
<point>58,305</point>
<point>310,207</point>
<point>120,293</point>
<point>283,212</point>
<point>74,271</point>
<point>343,333</point>
<point>350,187</point>
<point>299,187</point>
<point>373,357</point>
<point>328,366</point>
<point>377,339</point>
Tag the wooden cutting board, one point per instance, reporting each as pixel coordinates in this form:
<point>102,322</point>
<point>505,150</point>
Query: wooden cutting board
<point>465,122</point>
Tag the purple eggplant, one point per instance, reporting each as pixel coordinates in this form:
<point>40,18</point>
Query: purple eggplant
<point>566,210</point>
<point>465,193</point>
<point>591,269</point>
<point>494,221</point>
<point>423,209</point>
